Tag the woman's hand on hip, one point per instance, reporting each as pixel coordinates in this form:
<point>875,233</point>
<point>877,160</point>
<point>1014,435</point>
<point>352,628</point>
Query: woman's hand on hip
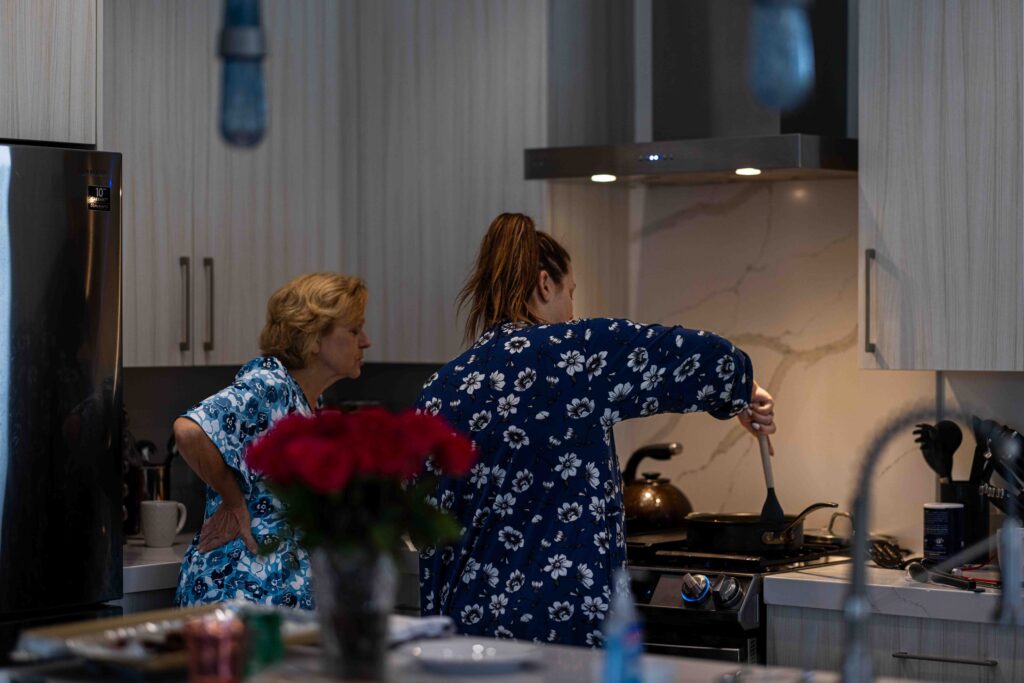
<point>225,525</point>
<point>759,417</point>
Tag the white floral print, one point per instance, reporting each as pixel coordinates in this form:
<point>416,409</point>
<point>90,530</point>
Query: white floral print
<point>572,362</point>
<point>507,405</point>
<point>567,464</point>
<point>558,566</point>
<point>471,382</point>
<point>620,392</point>
<point>652,378</point>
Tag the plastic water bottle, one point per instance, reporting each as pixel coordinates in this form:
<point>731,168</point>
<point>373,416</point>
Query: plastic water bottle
<point>623,637</point>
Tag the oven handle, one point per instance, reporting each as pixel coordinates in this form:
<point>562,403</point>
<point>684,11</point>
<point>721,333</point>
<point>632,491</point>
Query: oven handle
<point>723,654</point>
<point>945,660</point>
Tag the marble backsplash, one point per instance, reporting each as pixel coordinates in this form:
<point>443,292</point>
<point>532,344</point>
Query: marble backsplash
<point>773,267</point>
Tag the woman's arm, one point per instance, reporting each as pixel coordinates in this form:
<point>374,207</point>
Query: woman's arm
<point>637,370</point>
<point>231,519</point>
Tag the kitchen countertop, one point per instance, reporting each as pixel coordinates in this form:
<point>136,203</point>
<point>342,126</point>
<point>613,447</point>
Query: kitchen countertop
<point>890,591</point>
<point>559,664</point>
<point>150,569</point>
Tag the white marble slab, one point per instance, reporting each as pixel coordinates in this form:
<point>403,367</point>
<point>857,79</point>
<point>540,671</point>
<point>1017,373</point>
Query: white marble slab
<point>890,591</point>
<point>773,267</point>
<point>150,569</point>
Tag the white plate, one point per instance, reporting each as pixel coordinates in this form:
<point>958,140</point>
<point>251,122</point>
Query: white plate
<point>475,655</point>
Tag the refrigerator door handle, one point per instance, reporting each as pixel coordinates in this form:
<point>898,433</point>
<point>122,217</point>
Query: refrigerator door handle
<point>208,268</point>
<point>186,312</point>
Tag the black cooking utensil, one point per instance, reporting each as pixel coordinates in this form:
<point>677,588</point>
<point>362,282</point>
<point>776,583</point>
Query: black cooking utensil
<point>981,468</point>
<point>889,555</point>
<point>744,532</point>
<point>771,511</point>
<point>931,447</point>
<point>950,438</point>
<point>1007,449</point>
<point>922,574</point>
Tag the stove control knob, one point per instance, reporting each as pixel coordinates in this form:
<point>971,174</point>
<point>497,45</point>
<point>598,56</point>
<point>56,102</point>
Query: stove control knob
<point>696,588</point>
<point>726,592</point>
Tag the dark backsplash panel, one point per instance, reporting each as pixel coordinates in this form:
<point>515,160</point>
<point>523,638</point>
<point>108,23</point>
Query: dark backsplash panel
<point>154,397</point>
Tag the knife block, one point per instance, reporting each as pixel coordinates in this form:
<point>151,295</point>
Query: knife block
<point>975,514</point>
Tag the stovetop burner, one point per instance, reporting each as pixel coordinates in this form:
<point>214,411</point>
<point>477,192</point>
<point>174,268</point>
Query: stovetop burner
<point>671,551</point>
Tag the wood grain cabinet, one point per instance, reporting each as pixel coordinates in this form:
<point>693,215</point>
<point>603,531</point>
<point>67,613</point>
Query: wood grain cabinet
<point>395,136</point>
<point>941,224</point>
<point>211,231</point>
<point>48,53</point>
<point>901,647</point>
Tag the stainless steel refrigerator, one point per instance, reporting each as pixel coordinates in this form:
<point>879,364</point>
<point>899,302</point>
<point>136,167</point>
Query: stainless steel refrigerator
<point>61,414</point>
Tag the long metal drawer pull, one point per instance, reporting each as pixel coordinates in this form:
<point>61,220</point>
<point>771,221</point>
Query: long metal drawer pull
<point>208,268</point>
<point>186,292</point>
<point>946,660</point>
<point>869,256</point>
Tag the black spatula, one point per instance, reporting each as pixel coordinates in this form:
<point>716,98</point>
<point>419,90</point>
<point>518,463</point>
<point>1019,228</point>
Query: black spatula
<point>771,511</point>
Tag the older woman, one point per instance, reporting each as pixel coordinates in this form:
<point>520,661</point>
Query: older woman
<point>313,337</point>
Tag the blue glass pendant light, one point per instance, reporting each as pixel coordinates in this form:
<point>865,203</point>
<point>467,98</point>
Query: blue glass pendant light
<point>243,101</point>
<point>781,54</point>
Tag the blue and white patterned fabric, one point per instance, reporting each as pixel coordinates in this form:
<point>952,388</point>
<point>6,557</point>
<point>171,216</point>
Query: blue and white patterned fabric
<point>262,393</point>
<point>542,508</point>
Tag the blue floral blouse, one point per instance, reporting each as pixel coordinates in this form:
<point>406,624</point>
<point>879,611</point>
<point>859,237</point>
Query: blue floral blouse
<point>542,509</point>
<point>262,393</point>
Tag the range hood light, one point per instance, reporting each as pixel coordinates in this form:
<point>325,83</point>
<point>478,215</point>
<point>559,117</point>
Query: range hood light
<point>748,171</point>
<point>606,178</point>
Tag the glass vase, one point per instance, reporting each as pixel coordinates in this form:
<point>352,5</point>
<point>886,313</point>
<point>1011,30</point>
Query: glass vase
<point>355,593</point>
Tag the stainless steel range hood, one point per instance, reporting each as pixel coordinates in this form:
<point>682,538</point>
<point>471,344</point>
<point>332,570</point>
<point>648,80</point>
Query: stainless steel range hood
<point>704,121</point>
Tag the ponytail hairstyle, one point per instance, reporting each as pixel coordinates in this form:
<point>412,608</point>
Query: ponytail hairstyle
<point>512,254</point>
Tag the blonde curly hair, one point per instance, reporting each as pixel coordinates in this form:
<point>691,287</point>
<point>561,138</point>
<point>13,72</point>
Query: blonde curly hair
<point>306,308</point>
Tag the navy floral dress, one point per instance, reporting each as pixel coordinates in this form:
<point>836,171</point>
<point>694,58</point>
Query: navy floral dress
<point>262,393</point>
<point>542,509</point>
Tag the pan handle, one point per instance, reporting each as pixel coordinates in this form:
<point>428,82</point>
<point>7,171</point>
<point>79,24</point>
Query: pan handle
<point>808,510</point>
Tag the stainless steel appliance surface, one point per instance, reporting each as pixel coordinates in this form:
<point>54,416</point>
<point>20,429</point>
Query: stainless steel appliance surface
<point>60,381</point>
<point>709,604</point>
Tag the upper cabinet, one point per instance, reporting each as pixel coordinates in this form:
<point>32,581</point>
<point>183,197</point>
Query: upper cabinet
<point>941,223</point>
<point>385,157</point>
<point>210,231</point>
<point>48,70</point>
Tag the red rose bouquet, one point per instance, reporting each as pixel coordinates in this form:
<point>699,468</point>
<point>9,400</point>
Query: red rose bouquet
<point>361,480</point>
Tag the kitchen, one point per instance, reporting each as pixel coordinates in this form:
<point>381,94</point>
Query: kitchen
<point>405,124</point>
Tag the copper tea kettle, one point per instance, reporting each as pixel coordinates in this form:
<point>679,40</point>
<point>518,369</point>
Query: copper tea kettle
<point>653,503</point>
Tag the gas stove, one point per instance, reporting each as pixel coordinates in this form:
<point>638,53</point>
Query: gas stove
<point>707,604</point>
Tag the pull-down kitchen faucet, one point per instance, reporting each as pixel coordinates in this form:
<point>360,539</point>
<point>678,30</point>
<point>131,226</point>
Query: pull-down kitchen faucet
<point>857,610</point>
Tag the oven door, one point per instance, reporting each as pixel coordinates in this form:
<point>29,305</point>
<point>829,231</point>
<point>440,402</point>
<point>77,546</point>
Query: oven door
<point>736,650</point>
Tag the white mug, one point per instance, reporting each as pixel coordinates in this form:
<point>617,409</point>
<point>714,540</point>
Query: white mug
<point>162,520</point>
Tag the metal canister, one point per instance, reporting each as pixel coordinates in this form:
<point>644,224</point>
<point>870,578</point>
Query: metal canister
<point>265,645</point>
<point>943,530</point>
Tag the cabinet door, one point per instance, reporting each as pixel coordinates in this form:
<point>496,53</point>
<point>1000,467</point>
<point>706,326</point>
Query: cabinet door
<point>153,53</point>
<point>48,70</point>
<point>940,184</point>
<point>266,215</point>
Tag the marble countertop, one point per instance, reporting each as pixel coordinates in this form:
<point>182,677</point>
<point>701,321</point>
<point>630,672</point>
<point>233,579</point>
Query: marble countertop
<point>890,591</point>
<point>150,569</point>
<point>558,664</point>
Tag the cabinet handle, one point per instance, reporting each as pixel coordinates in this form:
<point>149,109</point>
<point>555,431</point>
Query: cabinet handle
<point>208,269</point>
<point>186,298</point>
<point>869,256</point>
<point>946,660</point>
